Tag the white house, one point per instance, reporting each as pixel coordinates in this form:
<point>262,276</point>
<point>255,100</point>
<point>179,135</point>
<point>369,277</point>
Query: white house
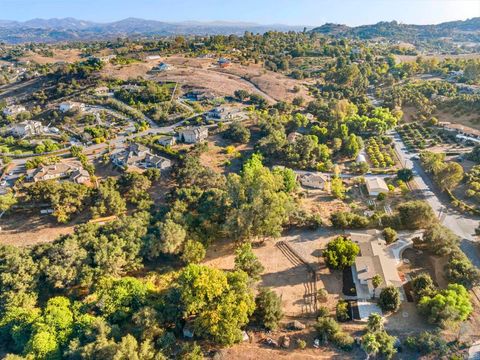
<point>13,110</point>
<point>68,170</point>
<point>27,128</point>
<point>374,259</point>
<point>152,57</point>
<point>226,113</point>
<point>167,141</point>
<point>376,185</point>
<point>314,180</point>
<point>193,135</point>
<point>139,156</point>
<point>70,106</point>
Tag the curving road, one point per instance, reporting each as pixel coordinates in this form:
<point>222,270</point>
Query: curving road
<point>462,225</point>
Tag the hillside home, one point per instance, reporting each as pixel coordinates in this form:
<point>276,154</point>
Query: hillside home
<point>71,106</point>
<point>27,128</point>
<point>193,135</point>
<point>64,170</point>
<point>13,110</point>
<point>374,259</point>
<point>139,156</point>
<point>167,141</point>
<point>225,113</point>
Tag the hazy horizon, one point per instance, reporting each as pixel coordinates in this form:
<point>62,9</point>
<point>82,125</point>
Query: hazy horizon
<point>267,12</point>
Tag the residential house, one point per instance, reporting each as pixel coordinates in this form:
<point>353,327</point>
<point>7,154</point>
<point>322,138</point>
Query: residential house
<point>152,57</point>
<point>139,156</point>
<point>314,180</point>
<point>27,128</point>
<point>376,185</point>
<point>200,95</point>
<point>193,135</point>
<point>167,141</point>
<point>374,259</point>
<point>13,110</point>
<point>162,67</point>
<point>71,106</point>
<point>64,170</point>
<point>225,113</point>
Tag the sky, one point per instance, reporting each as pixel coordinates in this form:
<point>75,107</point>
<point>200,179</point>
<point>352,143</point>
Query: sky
<point>292,12</point>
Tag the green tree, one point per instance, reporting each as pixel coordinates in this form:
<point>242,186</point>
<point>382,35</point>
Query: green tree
<point>118,299</point>
<point>237,132</point>
<point>416,214</point>
<point>18,277</point>
<point>376,282</point>
<point>7,201</point>
<point>108,201</point>
<point>375,323</point>
<point>405,174</point>
<point>438,239</point>
<point>218,303</point>
<point>450,305</point>
<point>337,188</point>
<point>422,285</point>
<point>389,299</point>
<point>247,261</point>
<point>259,205</point>
<point>268,311</point>
<point>193,252</point>
<point>460,270</point>
<point>341,311</point>
<point>340,253</point>
<point>390,235</point>
<point>449,175</point>
<point>171,240</point>
<point>326,328</point>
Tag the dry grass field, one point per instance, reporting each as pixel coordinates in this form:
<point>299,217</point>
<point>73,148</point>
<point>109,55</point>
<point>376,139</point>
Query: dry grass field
<point>68,55</point>
<point>203,73</point>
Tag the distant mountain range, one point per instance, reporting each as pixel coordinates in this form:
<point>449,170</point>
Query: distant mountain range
<point>468,30</point>
<point>71,29</point>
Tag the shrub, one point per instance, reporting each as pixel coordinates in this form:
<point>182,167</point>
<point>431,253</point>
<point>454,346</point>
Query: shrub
<point>322,311</point>
<point>342,311</point>
<point>268,310</point>
<point>389,300</point>
<point>193,252</point>
<point>390,235</point>
<point>327,327</point>
<point>301,344</point>
<point>343,341</point>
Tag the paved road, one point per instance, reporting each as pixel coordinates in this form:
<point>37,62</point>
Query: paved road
<point>462,225</point>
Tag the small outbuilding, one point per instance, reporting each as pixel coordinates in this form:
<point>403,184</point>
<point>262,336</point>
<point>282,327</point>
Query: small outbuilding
<point>376,185</point>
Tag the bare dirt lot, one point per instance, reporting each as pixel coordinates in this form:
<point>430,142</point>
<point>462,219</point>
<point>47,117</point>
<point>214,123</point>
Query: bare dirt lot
<point>30,228</point>
<point>203,73</point>
<point>68,55</point>
<point>289,279</point>
<point>319,201</point>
